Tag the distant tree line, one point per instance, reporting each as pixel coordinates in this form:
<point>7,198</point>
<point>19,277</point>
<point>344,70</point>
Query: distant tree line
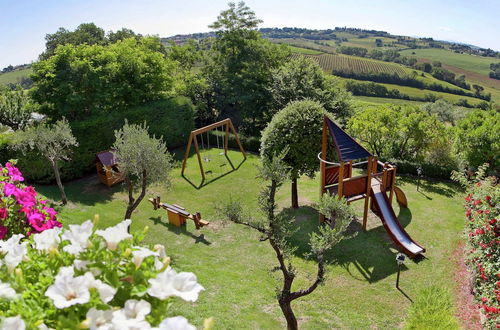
<point>495,70</point>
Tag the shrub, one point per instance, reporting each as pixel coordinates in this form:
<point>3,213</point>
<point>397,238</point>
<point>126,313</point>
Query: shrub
<point>85,278</point>
<point>171,119</point>
<point>482,232</point>
<point>428,170</point>
<point>21,211</point>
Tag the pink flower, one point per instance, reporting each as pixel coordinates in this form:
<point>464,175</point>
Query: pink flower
<point>3,213</point>
<point>14,172</point>
<point>37,221</point>
<point>25,198</point>
<point>51,212</point>
<point>3,231</point>
<point>9,189</point>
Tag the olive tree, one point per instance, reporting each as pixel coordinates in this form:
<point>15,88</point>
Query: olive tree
<point>296,129</point>
<point>52,141</point>
<point>143,160</point>
<point>278,229</point>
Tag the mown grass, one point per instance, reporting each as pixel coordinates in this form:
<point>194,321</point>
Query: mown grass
<point>382,100</point>
<point>14,77</point>
<point>300,50</point>
<point>234,266</point>
<point>468,62</point>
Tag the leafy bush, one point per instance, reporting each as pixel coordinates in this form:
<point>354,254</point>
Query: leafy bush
<point>172,119</point>
<point>428,170</point>
<point>432,309</point>
<point>482,229</point>
<point>21,212</point>
<point>86,278</point>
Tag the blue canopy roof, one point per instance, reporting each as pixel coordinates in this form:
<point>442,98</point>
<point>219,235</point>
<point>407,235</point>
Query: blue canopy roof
<point>347,148</point>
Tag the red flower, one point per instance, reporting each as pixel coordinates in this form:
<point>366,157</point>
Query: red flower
<point>477,202</point>
<point>488,198</point>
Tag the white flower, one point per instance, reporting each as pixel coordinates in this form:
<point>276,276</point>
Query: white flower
<point>47,239</point>
<point>6,292</point>
<point>121,322</point>
<point>169,283</point>
<point>13,323</point>
<point>68,290</point>
<point>106,292</point>
<point>116,234</point>
<point>136,309</point>
<point>80,264</point>
<point>15,255</point>
<point>160,249</point>
<point>140,253</point>
<point>99,320</point>
<point>43,326</point>
<point>6,246</point>
<point>176,323</point>
<point>78,235</point>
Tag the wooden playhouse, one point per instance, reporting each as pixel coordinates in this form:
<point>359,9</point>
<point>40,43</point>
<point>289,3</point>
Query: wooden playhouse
<point>107,168</point>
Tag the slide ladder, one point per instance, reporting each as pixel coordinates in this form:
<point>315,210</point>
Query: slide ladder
<point>382,207</point>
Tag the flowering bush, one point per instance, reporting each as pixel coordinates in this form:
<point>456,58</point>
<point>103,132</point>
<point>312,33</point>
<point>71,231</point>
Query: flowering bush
<point>85,278</point>
<point>483,242</point>
<point>21,212</point>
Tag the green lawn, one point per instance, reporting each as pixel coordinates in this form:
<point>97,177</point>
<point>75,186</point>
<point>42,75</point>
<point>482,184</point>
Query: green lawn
<point>468,62</point>
<point>14,76</point>
<point>362,100</point>
<point>234,266</point>
<point>306,51</point>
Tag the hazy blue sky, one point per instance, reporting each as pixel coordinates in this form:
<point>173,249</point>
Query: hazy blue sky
<point>24,23</point>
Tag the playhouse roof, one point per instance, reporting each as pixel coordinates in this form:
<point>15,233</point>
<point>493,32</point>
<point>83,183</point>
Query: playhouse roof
<point>347,148</point>
<point>107,158</point>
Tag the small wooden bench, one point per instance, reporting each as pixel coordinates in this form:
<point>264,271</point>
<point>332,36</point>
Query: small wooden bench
<point>177,215</point>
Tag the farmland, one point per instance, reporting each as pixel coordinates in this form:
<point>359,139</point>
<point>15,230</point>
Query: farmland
<point>345,63</point>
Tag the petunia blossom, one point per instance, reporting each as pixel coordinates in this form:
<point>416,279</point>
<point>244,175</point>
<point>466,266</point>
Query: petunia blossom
<point>3,213</point>
<point>106,292</point>
<point>68,290</point>
<point>3,232</point>
<point>176,323</point>
<point>116,234</point>
<point>140,253</point>
<point>169,283</point>
<point>78,236</point>
<point>6,292</point>
<point>14,251</point>
<point>9,189</point>
<point>99,319</point>
<point>48,239</point>
<point>13,323</point>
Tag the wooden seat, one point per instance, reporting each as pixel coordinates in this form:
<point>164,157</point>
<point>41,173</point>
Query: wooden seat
<point>177,214</point>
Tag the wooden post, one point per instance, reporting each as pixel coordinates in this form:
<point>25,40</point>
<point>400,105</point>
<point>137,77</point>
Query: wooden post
<point>369,167</point>
<point>199,158</point>
<point>393,183</point>
<point>322,165</point>
<point>340,187</point>
<point>237,139</point>
<point>226,140</point>
<point>186,155</point>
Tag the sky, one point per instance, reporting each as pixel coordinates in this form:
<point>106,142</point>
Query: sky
<point>24,23</point>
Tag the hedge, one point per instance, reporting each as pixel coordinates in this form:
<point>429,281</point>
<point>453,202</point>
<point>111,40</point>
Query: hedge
<point>428,170</point>
<point>172,119</point>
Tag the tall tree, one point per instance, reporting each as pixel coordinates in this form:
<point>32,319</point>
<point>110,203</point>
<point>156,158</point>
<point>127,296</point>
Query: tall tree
<point>238,67</point>
<point>296,129</point>
<point>143,160</point>
<point>278,229</point>
<point>54,142</point>
<point>302,78</point>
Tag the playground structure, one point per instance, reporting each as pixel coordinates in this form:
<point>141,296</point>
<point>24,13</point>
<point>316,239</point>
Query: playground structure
<point>377,187</point>
<point>177,215</point>
<point>226,125</point>
<point>107,168</point>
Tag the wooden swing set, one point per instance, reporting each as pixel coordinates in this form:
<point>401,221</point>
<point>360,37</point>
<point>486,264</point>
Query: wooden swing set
<point>226,126</point>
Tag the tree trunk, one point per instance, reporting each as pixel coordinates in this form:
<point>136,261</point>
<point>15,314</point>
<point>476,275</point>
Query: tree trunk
<point>286,308</point>
<point>130,209</point>
<point>134,203</point>
<point>295,196</point>
<point>58,181</point>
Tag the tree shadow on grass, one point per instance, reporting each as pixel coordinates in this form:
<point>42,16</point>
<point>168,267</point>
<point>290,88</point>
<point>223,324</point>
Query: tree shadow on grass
<point>180,230</point>
<point>366,255</point>
<point>447,189</point>
<point>87,190</point>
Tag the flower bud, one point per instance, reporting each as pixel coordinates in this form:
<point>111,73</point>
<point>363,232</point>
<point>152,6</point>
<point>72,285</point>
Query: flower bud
<point>19,273</point>
<point>53,252</point>
<point>84,324</point>
<point>145,230</point>
<point>96,220</point>
<point>127,253</point>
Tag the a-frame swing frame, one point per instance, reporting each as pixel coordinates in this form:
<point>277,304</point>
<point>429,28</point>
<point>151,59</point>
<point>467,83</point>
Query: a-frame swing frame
<point>194,140</point>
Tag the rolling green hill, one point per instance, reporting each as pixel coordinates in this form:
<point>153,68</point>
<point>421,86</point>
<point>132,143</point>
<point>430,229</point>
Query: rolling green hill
<point>15,76</point>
